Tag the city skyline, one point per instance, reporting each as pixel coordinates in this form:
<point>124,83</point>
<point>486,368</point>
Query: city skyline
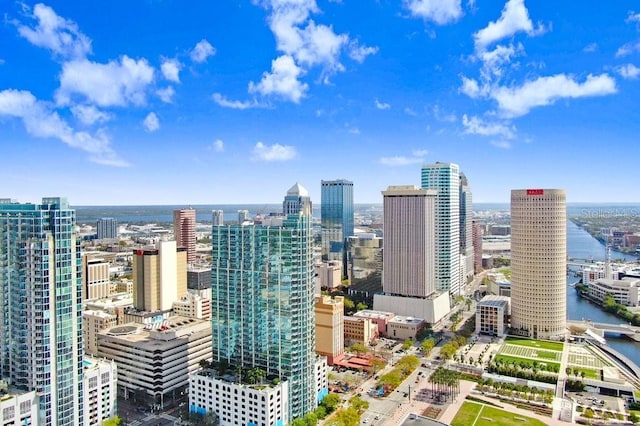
<point>519,94</point>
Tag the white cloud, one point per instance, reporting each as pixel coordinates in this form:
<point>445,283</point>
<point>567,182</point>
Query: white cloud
<point>41,122</point>
<point>117,83</point>
<point>410,112</point>
<point>591,47</point>
<point>476,126</point>
<point>151,122</point>
<point>517,101</point>
<point>514,18</point>
<point>632,17</point>
<point>218,145</point>
<point>382,105</point>
<point>493,61</point>
<point>471,88</point>
<point>275,152</point>
<point>171,69</point>
<point>89,114</point>
<point>354,131</point>
<point>439,11</point>
<point>59,35</point>
<point>628,71</point>
<point>359,53</point>
<point>444,116</point>
<point>420,153</point>
<point>628,49</point>
<point>166,94</point>
<point>399,161</point>
<point>501,144</point>
<point>227,103</point>
<point>281,81</point>
<point>202,51</point>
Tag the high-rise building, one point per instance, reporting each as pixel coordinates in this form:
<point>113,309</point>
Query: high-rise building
<point>466,231</point>
<point>159,276</point>
<point>40,313</point>
<point>263,303</point>
<point>336,219</point>
<point>100,388</point>
<point>408,264</point>
<point>409,261</point>
<point>243,216</point>
<point>184,230</point>
<point>217,217</point>
<point>329,314</point>
<point>445,178</point>
<point>477,231</point>
<point>106,228</point>
<point>538,262</point>
<point>96,282</point>
<point>296,200</point>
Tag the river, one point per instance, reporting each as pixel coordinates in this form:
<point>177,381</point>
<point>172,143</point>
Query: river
<point>581,245</point>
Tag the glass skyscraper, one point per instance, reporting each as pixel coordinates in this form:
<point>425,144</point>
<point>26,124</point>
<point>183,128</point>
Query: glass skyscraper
<point>336,217</point>
<point>445,178</point>
<point>263,303</point>
<point>40,306</point>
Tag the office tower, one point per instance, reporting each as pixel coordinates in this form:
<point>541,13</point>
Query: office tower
<point>445,178</point>
<point>106,228</point>
<point>329,314</point>
<point>184,230</point>
<point>263,303</point>
<point>96,281</point>
<point>408,264</point>
<point>336,217</point>
<point>538,262</point>
<point>477,231</point>
<point>297,199</point>
<point>159,276</point>
<point>243,216</point>
<point>466,231</point>
<point>365,254</point>
<point>41,314</point>
<point>217,217</point>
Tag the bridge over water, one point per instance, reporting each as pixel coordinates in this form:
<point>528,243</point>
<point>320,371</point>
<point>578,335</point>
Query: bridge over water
<point>602,328</point>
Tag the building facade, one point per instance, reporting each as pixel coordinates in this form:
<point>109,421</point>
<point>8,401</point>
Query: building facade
<point>159,276</point>
<point>365,255</point>
<point>445,178</point>
<point>477,230</point>
<point>193,306</point>
<point>336,218</point>
<point>107,228</point>
<point>263,303</point>
<point>329,274</point>
<point>625,291</point>
<point>359,330</point>
<point>296,200</point>
<point>96,282</point>
<point>329,314</point>
<point>184,230</point>
<point>466,230</point>
<point>538,262</point>
<point>403,328</point>
<point>100,390</point>
<point>92,323</point>
<point>18,407</point>
<point>40,315</point>
<point>492,315</point>
<point>217,217</point>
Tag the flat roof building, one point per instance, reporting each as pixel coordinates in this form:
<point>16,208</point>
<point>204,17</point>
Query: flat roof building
<point>492,314</point>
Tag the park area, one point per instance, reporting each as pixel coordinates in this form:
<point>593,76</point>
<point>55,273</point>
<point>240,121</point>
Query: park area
<point>474,414</point>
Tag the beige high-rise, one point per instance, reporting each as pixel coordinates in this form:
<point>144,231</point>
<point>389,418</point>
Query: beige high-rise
<point>538,262</point>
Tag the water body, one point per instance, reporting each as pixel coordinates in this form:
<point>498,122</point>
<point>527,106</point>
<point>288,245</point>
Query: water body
<point>581,245</point>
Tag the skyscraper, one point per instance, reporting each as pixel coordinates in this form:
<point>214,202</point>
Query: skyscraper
<point>159,276</point>
<point>538,262</point>
<point>40,306</point>
<point>445,178</point>
<point>106,228</point>
<point>263,303</point>
<point>408,264</point>
<point>217,217</point>
<point>297,199</point>
<point>466,230</point>
<point>336,216</point>
<point>184,230</point>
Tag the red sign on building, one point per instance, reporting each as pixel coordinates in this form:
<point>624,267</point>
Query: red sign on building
<point>535,191</point>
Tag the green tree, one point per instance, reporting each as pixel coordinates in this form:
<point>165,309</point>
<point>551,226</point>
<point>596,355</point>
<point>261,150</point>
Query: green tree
<point>609,303</point>
<point>358,348</point>
<point>331,402</point>
<point>407,344</point>
<point>361,306</point>
<point>358,404</point>
<point>113,421</point>
<point>311,419</point>
<point>377,364</point>
<point>298,422</point>
<point>427,346</point>
<point>347,417</point>
<point>321,412</point>
<point>348,304</point>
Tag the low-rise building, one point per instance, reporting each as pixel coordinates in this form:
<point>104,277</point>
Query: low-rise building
<point>492,314</point>
<point>380,318</point>
<point>99,378</point>
<point>154,360</point>
<point>92,323</point>
<point>329,274</point>
<point>403,328</point>
<point>359,330</point>
<point>17,407</point>
<point>625,291</point>
<point>193,306</point>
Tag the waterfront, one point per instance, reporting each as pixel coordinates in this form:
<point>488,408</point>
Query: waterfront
<point>581,245</point>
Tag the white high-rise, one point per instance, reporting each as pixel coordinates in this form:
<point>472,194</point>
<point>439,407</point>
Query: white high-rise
<point>538,262</point>
<point>445,178</point>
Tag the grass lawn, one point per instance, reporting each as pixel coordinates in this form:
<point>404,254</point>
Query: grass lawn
<point>538,344</point>
<point>547,355</point>
<point>467,414</point>
<point>523,361</point>
<point>588,372</point>
<point>472,414</point>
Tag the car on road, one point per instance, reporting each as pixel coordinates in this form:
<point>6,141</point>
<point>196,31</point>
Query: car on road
<point>377,417</point>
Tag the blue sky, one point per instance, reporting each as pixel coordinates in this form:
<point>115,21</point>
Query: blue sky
<point>220,102</point>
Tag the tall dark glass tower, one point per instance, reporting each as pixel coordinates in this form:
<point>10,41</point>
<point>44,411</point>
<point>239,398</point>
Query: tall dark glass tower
<point>336,214</point>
